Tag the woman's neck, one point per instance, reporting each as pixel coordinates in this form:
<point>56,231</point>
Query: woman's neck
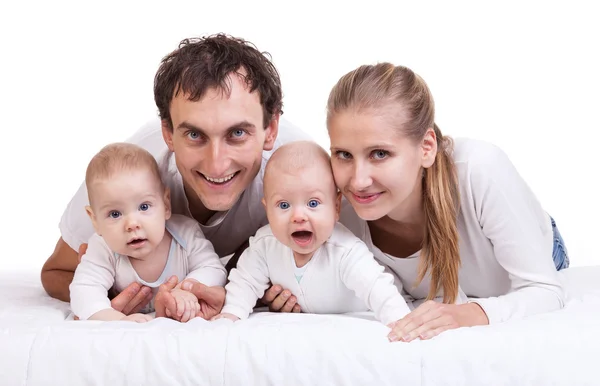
<point>402,231</point>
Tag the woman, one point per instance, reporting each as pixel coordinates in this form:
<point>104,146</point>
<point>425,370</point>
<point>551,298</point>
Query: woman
<point>447,217</point>
<point>441,214</point>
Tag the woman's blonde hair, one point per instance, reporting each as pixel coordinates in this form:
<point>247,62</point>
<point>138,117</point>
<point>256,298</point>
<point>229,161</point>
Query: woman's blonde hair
<point>383,86</point>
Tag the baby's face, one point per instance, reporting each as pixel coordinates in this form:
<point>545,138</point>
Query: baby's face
<point>302,208</point>
<point>129,212</point>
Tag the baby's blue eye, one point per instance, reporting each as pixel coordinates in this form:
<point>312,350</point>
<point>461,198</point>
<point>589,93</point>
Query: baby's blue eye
<point>114,214</point>
<point>313,203</point>
<point>144,207</point>
<point>284,205</point>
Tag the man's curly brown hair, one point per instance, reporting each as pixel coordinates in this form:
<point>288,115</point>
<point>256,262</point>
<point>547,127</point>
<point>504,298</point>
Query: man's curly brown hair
<point>200,64</point>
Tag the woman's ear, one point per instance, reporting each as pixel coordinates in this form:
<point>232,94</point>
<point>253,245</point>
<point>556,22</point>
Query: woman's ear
<point>428,148</point>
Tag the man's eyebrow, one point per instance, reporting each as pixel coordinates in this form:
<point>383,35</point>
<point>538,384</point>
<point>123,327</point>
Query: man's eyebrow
<point>236,126</point>
<point>188,126</point>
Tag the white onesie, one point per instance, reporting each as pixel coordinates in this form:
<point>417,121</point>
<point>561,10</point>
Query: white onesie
<point>341,277</point>
<point>190,256</point>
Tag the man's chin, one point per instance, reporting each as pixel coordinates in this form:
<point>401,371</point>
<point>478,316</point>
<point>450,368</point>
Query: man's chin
<point>220,205</point>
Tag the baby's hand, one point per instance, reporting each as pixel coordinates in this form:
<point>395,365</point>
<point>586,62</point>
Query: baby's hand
<point>225,316</point>
<point>187,305</point>
<point>138,318</point>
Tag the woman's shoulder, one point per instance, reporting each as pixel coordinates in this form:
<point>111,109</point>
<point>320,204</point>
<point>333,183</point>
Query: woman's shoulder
<point>476,151</point>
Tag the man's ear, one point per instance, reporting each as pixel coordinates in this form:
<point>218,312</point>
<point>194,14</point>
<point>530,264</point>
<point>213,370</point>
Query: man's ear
<point>428,148</point>
<point>167,200</point>
<point>271,132</point>
<point>167,132</point>
<point>90,213</point>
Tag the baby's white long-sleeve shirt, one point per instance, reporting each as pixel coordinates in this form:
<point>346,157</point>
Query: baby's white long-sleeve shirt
<point>190,256</point>
<point>342,276</point>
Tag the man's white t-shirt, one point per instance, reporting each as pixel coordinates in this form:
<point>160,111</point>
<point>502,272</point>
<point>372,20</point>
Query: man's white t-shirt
<point>227,231</point>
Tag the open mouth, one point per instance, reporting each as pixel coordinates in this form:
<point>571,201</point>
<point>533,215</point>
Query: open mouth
<point>302,238</point>
<point>220,181</point>
<point>137,242</point>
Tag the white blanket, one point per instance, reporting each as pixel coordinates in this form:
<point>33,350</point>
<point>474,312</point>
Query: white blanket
<point>40,345</point>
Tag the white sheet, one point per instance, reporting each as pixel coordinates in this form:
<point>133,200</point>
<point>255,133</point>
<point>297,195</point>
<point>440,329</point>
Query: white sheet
<point>38,346</point>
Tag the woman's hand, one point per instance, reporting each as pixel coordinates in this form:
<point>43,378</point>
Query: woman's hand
<point>432,318</point>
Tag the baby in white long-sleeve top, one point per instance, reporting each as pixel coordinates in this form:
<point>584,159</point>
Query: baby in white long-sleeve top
<point>137,238</point>
<point>305,249</point>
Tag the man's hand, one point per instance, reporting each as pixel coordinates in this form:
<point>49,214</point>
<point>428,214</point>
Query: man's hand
<point>81,252</point>
<point>211,299</point>
<point>280,300</point>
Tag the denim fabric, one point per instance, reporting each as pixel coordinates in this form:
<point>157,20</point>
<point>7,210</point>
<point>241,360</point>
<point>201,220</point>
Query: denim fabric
<point>559,250</point>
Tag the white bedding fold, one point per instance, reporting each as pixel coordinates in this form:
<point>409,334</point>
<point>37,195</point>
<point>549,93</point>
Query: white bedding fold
<point>38,347</point>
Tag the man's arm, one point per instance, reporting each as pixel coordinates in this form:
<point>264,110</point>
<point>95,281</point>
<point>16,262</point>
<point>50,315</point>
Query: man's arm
<point>57,272</point>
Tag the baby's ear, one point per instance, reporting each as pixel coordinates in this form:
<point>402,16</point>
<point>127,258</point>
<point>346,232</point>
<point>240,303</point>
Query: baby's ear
<point>167,200</point>
<point>90,213</point>
<point>338,205</point>
<point>264,202</point>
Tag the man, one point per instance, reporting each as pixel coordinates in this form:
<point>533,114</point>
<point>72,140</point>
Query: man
<point>219,101</point>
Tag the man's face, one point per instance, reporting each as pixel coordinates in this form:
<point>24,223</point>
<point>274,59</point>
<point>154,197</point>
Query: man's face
<point>218,142</point>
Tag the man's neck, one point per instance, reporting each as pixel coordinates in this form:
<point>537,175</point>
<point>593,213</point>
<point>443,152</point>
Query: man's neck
<point>199,212</point>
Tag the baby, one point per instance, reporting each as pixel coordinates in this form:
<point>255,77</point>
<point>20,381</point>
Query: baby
<point>305,249</point>
<point>137,238</point>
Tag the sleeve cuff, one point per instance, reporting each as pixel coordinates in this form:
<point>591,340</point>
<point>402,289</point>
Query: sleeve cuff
<point>490,307</point>
<point>235,310</point>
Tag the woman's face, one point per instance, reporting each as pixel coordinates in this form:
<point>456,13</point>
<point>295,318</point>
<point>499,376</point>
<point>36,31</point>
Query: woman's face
<point>377,168</point>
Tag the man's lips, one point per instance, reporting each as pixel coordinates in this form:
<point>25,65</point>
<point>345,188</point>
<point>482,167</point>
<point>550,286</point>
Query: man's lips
<point>219,180</point>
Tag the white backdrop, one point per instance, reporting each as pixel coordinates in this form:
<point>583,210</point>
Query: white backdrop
<point>75,76</point>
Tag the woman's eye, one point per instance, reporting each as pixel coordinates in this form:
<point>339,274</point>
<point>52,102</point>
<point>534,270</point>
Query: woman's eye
<point>343,155</point>
<point>380,154</point>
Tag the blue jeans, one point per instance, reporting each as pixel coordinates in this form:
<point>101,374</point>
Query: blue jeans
<point>559,251</point>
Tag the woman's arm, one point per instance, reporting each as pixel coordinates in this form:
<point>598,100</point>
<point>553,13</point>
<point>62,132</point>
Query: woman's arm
<point>513,220</point>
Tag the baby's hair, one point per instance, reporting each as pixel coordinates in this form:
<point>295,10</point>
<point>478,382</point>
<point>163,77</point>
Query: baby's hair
<point>117,157</point>
<point>294,157</point>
